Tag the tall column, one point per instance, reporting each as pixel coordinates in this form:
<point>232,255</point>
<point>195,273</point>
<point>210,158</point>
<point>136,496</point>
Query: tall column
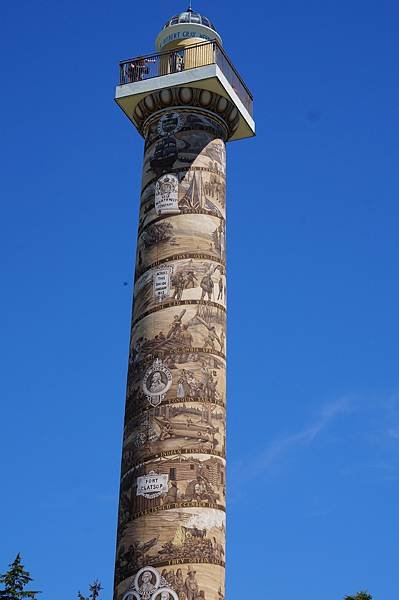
<point>171,528</point>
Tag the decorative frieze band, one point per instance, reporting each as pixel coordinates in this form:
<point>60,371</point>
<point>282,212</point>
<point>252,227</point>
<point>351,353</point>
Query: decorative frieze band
<point>186,98</point>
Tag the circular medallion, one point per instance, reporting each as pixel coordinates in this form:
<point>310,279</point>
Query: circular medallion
<point>147,578</point>
<point>131,596</point>
<point>157,381</point>
<point>165,594</point>
<point>170,123</point>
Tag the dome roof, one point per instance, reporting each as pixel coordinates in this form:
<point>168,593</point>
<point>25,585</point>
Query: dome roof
<point>189,16</point>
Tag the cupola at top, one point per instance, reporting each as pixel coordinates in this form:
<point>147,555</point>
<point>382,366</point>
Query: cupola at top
<point>188,27</point>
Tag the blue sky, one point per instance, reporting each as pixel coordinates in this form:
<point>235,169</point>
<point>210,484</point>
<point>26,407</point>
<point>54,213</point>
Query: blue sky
<point>313,323</point>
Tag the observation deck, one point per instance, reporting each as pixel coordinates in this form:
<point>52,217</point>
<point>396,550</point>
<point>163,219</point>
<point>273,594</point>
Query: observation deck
<point>203,65</point>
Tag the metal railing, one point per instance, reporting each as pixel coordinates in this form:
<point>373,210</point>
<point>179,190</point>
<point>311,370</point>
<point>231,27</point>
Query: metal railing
<point>183,59</point>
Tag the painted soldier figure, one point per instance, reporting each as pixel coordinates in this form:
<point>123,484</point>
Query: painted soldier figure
<point>212,337</point>
<point>207,286</point>
<point>179,285</point>
<point>176,326</point>
<point>191,280</point>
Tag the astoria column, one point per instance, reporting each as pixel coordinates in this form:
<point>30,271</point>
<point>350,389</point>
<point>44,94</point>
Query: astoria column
<point>187,101</point>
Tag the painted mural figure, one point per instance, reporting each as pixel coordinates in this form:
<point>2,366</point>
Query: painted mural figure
<point>176,327</point>
<point>207,286</point>
<point>147,588</point>
<point>171,578</point>
<point>179,284</point>
<point>200,489</point>
<point>191,585</point>
<point>180,587</point>
<point>220,286</point>
<point>171,496</point>
<point>180,393</point>
<point>212,336</point>
<point>157,384</point>
<point>191,280</point>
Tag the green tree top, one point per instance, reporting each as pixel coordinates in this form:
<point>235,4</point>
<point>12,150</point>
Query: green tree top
<point>95,589</point>
<point>360,596</point>
<point>15,580</point>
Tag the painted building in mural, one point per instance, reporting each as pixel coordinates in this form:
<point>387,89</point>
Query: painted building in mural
<point>187,101</point>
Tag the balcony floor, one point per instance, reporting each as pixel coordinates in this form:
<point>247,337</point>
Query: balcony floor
<point>209,77</point>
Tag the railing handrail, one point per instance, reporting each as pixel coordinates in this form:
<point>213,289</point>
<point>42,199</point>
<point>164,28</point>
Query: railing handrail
<point>184,48</point>
<point>164,52</point>
<point>234,69</point>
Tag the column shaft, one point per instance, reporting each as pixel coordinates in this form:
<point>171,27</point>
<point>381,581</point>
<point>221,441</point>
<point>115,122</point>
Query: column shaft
<point>171,526</point>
